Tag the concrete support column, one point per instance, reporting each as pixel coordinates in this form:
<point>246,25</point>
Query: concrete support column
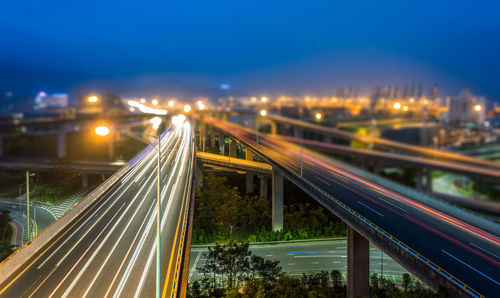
<point>296,132</point>
<point>198,175</point>
<point>1,145</point>
<point>212,138</point>
<point>232,148</point>
<point>263,187</point>
<point>85,180</point>
<point>358,264</point>
<point>248,154</point>
<point>277,200</point>
<point>240,118</point>
<point>418,179</point>
<point>61,142</point>
<point>221,143</point>
<point>111,145</point>
<point>274,128</point>
<point>249,183</point>
<point>428,180</point>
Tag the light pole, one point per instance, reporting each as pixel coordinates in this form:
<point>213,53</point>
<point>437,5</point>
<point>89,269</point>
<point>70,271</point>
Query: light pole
<point>262,113</point>
<point>28,203</point>
<point>103,131</point>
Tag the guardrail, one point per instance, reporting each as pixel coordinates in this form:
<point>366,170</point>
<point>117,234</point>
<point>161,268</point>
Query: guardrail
<point>180,255</point>
<point>462,285</point>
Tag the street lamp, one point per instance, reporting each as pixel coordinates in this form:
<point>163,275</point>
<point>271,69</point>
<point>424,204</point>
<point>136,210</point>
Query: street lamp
<point>477,108</point>
<point>103,131</point>
<point>93,99</point>
<point>262,113</point>
<point>154,102</point>
<point>318,116</point>
<point>28,175</point>
<point>397,105</point>
<point>187,108</point>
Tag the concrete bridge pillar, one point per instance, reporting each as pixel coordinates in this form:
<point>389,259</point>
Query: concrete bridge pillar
<point>358,264</point>
<point>263,187</point>
<point>1,145</point>
<point>203,132</point>
<point>418,179</point>
<point>61,142</point>
<point>274,128</point>
<point>277,200</point>
<point>85,180</point>
<point>249,186</point>
<point>232,148</point>
<point>221,143</point>
<point>111,145</point>
<point>198,175</point>
<point>296,132</point>
<point>240,118</point>
<point>428,180</point>
<point>212,138</point>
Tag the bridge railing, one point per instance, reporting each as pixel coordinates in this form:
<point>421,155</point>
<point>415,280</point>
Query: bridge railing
<point>460,284</point>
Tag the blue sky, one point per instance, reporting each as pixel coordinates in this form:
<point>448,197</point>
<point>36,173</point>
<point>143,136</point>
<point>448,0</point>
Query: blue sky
<point>257,46</point>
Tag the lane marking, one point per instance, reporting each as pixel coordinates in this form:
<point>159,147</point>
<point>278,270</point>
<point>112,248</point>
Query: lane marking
<point>371,209</point>
<point>393,205</point>
<point>195,263</point>
<point>322,180</point>
<point>85,252</point>
<point>485,250</point>
<point>498,283</point>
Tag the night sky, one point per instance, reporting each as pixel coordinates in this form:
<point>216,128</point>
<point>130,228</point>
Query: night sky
<point>255,46</point>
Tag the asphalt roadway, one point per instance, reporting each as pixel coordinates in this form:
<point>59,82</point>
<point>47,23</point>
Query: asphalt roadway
<point>470,254</point>
<point>308,257</point>
<point>110,249</point>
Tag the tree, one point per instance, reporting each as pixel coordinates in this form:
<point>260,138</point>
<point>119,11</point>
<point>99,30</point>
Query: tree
<point>4,225</point>
<point>337,282</point>
<point>406,281</point>
<point>374,281</point>
<point>6,249</point>
<point>211,267</point>
<point>234,262</point>
<point>287,287</point>
<point>268,270</point>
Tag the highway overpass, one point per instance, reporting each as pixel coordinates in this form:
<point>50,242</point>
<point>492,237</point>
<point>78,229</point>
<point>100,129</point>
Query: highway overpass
<point>106,244</point>
<point>439,249</point>
<point>378,143</point>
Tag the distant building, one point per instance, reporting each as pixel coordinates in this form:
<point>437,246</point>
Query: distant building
<point>50,101</point>
<point>466,109</point>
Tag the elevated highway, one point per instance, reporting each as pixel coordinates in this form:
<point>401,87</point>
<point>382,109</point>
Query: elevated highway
<point>387,145</point>
<point>439,249</point>
<point>106,245</point>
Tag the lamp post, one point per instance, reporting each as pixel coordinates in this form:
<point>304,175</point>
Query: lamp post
<point>103,131</point>
<point>28,203</point>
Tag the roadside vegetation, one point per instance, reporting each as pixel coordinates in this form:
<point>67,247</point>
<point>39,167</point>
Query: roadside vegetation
<point>222,213</point>
<point>231,270</point>
<point>6,248</point>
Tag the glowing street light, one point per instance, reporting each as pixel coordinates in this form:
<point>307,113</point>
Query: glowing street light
<point>102,131</point>
<point>170,103</point>
<point>143,100</point>
<point>263,113</point>
<point>93,99</point>
<point>405,108</point>
<point>397,106</point>
<point>154,102</point>
<point>264,99</point>
<point>187,108</point>
<point>318,116</point>
<point>156,121</point>
<point>477,108</point>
